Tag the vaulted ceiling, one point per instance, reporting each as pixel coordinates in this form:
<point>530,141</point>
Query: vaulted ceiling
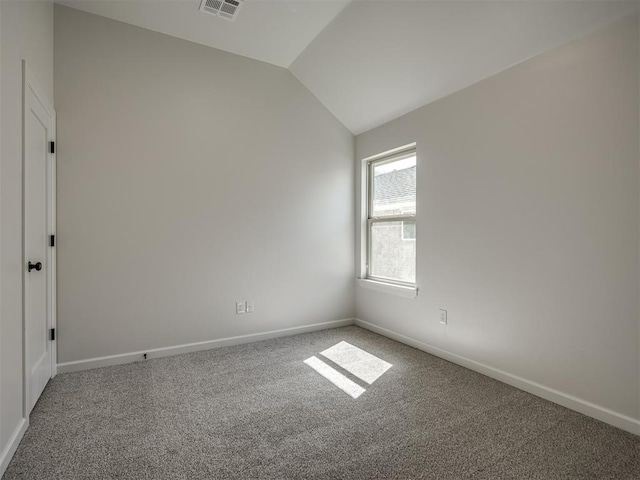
<point>273,31</point>
<point>370,61</point>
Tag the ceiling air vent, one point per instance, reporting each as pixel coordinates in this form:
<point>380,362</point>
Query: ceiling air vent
<point>227,9</point>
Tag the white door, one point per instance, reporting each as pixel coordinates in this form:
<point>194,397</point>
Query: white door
<point>38,264</point>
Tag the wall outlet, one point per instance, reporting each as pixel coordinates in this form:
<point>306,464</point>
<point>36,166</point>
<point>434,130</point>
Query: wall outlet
<point>249,306</point>
<point>443,316</point>
<point>240,307</point>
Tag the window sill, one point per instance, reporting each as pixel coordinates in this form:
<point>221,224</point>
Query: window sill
<point>399,290</point>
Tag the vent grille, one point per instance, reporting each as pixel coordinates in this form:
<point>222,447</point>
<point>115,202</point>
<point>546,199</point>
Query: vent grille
<point>227,9</point>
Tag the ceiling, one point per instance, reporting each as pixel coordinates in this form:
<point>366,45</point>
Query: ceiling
<point>375,63</point>
<point>370,61</point>
<point>273,31</point>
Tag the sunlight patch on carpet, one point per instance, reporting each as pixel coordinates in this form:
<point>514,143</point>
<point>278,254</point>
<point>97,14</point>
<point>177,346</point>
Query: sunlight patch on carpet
<point>352,359</point>
<point>339,380</point>
<point>356,361</point>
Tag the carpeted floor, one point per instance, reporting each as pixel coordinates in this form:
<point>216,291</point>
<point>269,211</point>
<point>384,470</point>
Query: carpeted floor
<point>259,411</point>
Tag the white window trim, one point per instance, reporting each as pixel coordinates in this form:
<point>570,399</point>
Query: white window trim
<point>391,288</point>
<point>382,285</point>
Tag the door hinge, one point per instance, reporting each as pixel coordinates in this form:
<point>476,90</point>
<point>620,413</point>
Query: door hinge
<point>52,147</point>
<point>52,334</point>
<point>52,240</point>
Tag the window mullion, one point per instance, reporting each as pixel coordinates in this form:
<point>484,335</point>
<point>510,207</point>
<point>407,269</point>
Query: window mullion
<point>400,218</point>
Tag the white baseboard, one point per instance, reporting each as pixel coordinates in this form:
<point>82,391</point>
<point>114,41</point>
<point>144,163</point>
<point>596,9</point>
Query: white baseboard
<point>195,347</point>
<point>587,408</point>
<point>12,445</point>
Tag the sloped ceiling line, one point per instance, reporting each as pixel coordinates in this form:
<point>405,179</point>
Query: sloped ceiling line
<point>369,63</point>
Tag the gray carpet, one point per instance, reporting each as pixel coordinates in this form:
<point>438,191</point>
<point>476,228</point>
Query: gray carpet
<point>258,411</point>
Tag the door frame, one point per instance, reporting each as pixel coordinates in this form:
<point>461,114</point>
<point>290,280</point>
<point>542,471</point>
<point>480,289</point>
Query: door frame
<point>31,84</point>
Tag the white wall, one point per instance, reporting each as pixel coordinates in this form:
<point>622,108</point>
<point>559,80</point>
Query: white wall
<point>189,178</point>
<point>26,33</point>
<point>528,221</point>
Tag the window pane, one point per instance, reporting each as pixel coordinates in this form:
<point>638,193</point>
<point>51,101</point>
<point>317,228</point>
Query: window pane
<point>393,254</point>
<point>409,230</point>
<point>394,187</point>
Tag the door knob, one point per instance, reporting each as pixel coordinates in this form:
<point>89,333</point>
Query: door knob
<point>36,266</point>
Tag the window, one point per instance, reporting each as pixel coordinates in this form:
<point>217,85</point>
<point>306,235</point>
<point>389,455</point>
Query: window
<point>391,218</point>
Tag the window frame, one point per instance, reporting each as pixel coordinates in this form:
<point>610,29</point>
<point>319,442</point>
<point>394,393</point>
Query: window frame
<point>371,220</point>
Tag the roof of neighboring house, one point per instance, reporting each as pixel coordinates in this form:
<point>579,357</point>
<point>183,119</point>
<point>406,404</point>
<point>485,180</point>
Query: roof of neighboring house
<point>395,187</point>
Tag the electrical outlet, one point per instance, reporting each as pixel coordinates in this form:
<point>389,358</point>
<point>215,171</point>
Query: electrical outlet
<point>240,307</point>
<point>443,316</point>
<point>249,306</point>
